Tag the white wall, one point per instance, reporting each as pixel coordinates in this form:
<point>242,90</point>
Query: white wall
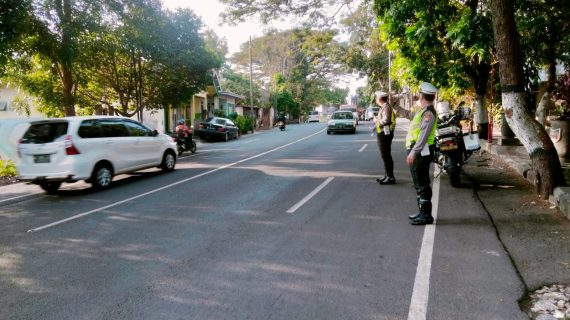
<point>8,94</point>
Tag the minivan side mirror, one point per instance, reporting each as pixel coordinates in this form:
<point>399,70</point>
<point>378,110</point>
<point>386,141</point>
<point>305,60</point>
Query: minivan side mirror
<point>154,133</point>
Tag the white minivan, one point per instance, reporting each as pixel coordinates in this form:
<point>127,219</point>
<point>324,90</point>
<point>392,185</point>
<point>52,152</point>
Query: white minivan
<point>92,148</point>
<point>313,116</point>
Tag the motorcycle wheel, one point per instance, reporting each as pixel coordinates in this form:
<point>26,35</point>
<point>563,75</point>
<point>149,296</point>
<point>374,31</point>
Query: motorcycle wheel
<point>180,150</point>
<point>193,147</point>
<point>454,177</point>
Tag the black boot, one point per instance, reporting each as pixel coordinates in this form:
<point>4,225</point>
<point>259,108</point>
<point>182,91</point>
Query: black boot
<point>379,180</point>
<point>387,180</point>
<point>417,214</point>
<point>425,216</point>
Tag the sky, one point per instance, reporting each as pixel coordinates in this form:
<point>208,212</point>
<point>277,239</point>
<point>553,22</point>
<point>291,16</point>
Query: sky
<point>209,11</point>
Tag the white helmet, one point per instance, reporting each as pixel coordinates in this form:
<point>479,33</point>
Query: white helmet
<point>443,109</point>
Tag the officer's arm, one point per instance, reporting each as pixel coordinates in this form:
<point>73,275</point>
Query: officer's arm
<point>384,118</point>
<point>428,121</point>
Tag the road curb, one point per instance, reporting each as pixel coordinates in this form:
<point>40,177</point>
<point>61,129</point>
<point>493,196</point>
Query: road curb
<point>560,197</point>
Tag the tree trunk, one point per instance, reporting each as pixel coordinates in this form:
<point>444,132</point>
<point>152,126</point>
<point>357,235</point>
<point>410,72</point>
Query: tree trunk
<point>543,155</point>
<point>66,56</point>
<point>68,98</point>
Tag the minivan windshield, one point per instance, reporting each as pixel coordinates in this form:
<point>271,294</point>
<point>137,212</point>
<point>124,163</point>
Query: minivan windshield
<point>45,132</point>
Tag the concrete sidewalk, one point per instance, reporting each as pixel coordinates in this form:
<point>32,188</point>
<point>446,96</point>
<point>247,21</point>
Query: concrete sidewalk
<point>517,158</point>
<point>534,231</point>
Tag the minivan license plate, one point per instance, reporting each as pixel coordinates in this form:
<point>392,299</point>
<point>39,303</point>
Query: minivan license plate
<point>41,158</point>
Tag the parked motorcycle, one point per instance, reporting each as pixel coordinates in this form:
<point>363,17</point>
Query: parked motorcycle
<point>184,144</point>
<point>453,146</point>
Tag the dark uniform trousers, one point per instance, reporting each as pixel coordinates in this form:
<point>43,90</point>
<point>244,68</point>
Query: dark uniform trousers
<point>385,145</point>
<point>420,175</point>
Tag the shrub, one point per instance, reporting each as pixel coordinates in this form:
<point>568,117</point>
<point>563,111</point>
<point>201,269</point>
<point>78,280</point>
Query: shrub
<point>244,124</point>
<point>7,168</point>
<point>233,116</point>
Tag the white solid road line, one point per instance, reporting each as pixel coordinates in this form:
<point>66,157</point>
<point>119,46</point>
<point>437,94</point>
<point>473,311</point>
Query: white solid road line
<point>363,147</point>
<point>22,196</point>
<point>420,294</point>
<point>80,215</point>
<point>309,196</point>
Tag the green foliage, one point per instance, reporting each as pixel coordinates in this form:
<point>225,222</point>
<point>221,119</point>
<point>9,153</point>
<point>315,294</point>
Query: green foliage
<point>302,62</point>
<point>7,168</point>
<point>237,83</point>
<point>244,123</point>
<point>15,22</point>
<point>315,13</point>
<point>21,105</point>
<point>447,43</point>
<point>544,27</point>
<point>122,54</point>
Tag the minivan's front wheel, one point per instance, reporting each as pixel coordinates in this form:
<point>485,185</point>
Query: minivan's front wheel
<point>168,161</point>
<point>102,176</point>
<point>50,187</point>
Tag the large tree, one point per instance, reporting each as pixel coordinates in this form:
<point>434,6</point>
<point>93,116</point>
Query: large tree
<point>15,22</point>
<point>304,59</point>
<point>545,26</point>
<point>542,153</point>
<point>310,12</point>
<point>46,45</point>
<point>125,54</point>
<point>448,43</point>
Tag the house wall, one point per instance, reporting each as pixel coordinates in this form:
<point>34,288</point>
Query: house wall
<point>7,111</point>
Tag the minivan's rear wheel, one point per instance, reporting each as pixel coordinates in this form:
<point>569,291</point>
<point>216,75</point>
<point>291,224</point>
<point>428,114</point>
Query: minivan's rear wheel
<point>50,187</point>
<point>102,176</point>
<point>168,161</point>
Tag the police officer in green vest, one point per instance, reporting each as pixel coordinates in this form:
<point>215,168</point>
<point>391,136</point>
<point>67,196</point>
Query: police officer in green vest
<point>420,148</point>
<point>385,125</point>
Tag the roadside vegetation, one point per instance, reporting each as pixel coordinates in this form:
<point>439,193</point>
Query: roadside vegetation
<point>8,170</point>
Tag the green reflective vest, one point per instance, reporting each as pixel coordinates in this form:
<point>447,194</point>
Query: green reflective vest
<point>392,123</point>
<point>416,126</point>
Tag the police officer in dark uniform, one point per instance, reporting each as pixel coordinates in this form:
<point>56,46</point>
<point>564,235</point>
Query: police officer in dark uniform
<point>420,148</point>
<point>385,125</point>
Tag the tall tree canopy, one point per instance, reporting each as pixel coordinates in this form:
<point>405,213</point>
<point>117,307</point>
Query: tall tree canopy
<point>126,54</point>
<point>309,12</point>
<point>304,60</point>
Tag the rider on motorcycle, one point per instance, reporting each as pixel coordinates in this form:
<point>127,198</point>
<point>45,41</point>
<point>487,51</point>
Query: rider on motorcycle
<point>182,131</point>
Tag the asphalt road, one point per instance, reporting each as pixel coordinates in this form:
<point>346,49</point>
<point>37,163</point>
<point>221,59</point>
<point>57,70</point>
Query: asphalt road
<point>275,225</point>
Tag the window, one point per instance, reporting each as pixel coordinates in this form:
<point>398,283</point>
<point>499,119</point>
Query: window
<point>114,128</point>
<point>89,129</point>
<point>3,106</point>
<point>45,132</point>
<point>136,129</point>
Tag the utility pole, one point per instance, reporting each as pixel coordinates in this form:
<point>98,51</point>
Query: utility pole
<point>251,79</point>
<point>389,80</point>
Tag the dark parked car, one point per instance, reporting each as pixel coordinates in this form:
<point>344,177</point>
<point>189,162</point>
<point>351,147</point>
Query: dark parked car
<point>217,128</point>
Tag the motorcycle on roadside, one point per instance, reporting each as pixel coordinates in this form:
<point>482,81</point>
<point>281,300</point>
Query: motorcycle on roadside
<point>453,146</point>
